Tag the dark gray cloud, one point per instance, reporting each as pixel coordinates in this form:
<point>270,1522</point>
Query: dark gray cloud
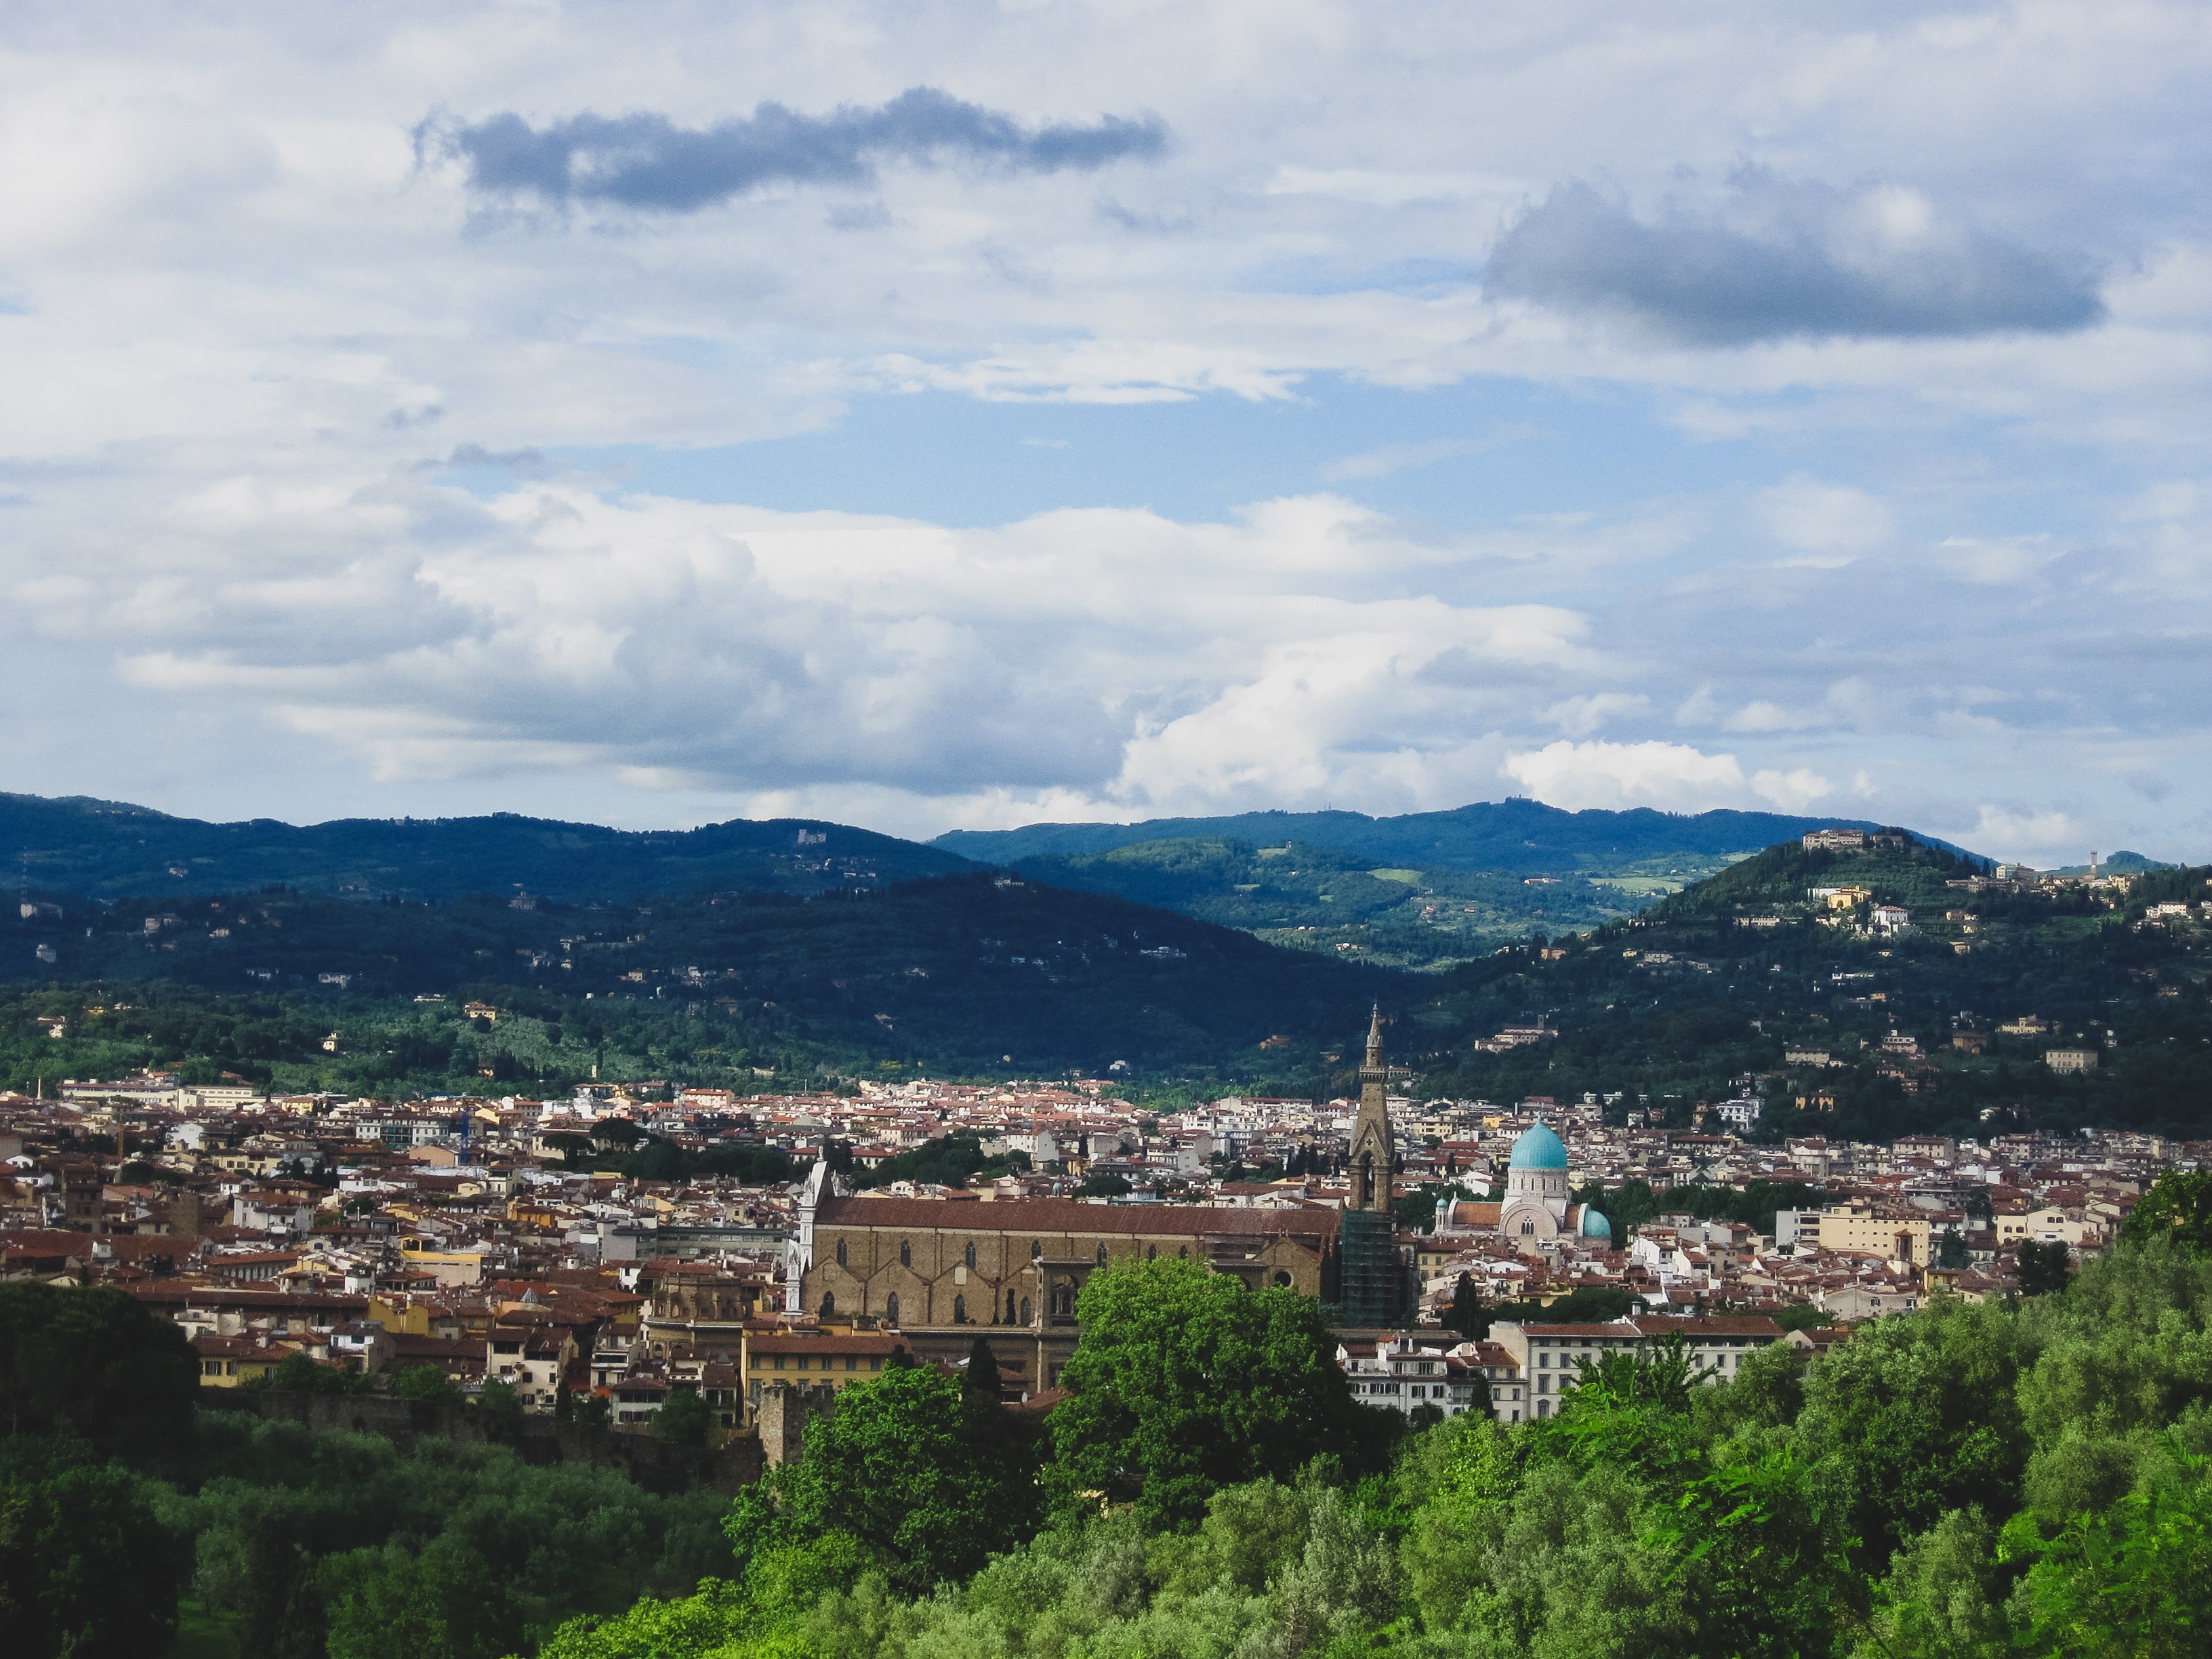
<point>646,160</point>
<point>1776,258</point>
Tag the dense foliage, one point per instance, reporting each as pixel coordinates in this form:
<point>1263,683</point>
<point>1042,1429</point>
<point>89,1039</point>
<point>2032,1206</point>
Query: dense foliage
<point>95,1364</point>
<point>1970,1482</point>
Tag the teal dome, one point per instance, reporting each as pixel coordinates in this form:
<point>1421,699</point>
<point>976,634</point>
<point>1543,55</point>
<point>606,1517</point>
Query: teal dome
<point>1596,1226</point>
<point>1539,1149</point>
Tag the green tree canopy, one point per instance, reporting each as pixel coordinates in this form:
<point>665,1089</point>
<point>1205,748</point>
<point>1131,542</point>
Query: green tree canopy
<point>1186,1382</point>
<point>907,1469</point>
<point>2179,1207</point>
<point>86,1569</point>
<point>682,1419</point>
<point>94,1363</point>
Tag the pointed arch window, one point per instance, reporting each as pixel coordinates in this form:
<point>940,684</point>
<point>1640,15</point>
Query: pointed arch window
<point>829,1303</point>
<point>1010,1307</point>
<point>906,1254</point>
<point>1101,1255</point>
<point>1025,1311</point>
<point>971,1256</point>
<point>960,1310</point>
<point>891,1308</point>
<point>841,1252</point>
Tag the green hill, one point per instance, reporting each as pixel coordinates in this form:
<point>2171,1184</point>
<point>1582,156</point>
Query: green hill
<point>1517,835</point>
<point>1707,995</point>
<point>1317,898</point>
<point>111,848</point>
<point>1914,875</point>
<point>954,974</point>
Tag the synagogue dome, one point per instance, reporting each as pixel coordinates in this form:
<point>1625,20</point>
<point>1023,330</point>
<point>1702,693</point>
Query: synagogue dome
<point>1596,1226</point>
<point>1538,1149</point>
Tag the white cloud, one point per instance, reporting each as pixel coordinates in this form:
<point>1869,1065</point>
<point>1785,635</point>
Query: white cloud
<point>1672,775</point>
<point>2027,833</point>
<point>1580,716</point>
<point>239,318</point>
<point>1793,791</point>
<point>1819,519</point>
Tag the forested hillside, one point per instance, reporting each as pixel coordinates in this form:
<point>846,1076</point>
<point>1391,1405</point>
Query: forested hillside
<point>79,847</point>
<point>1317,899</point>
<point>1700,999</point>
<point>1521,836</point>
<point>959,974</point>
<point>1706,995</point>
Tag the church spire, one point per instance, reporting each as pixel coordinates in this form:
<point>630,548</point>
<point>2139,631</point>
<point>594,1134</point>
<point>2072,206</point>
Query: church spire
<point>1373,1148</point>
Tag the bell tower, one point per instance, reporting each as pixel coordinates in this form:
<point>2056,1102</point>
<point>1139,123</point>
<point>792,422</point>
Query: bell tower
<point>1373,1160</point>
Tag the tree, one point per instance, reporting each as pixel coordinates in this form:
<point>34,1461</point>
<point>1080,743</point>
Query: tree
<point>94,1363</point>
<point>2131,1581</point>
<point>426,1382</point>
<point>682,1419</point>
<point>1185,1381</point>
<point>591,1410</point>
<point>906,1471</point>
<point>1467,1314</point>
<point>279,1607</point>
<point>980,1380</point>
<point>2179,1207</point>
<point>1105,1184</point>
<point>86,1569</point>
<point>2045,1268</point>
<point>499,1397</point>
<point>442,1604</point>
<point>297,1374</point>
<point>1951,1250</point>
<point>1914,1417</point>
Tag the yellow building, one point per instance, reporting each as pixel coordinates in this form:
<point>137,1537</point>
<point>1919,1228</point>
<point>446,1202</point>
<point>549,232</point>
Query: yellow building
<point>1859,1227</point>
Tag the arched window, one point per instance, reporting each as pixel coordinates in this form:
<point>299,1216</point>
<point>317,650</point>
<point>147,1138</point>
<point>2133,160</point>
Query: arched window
<point>1036,1252</point>
<point>906,1254</point>
<point>1010,1307</point>
<point>1282,1281</point>
<point>1183,1255</point>
<point>960,1310</point>
<point>1152,1252</point>
<point>891,1308</point>
<point>971,1258</point>
<point>1025,1311</point>
<point>1101,1255</point>
<point>829,1303</point>
<point>1063,1301</point>
<point>841,1252</point>
<point>1528,1230</point>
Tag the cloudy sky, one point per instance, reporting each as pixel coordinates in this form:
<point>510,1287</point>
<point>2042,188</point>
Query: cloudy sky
<point>946,414</point>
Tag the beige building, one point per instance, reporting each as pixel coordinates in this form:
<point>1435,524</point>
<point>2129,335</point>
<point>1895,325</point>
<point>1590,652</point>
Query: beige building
<point>1861,1227</point>
<point>943,1271</point>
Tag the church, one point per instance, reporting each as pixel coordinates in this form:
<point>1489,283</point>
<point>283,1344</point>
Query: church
<point>1537,1211</point>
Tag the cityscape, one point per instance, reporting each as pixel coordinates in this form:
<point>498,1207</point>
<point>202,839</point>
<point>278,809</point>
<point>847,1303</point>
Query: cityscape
<point>1069,830</point>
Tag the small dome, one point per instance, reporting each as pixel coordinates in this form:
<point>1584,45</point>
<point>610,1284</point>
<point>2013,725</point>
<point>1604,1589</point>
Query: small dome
<point>1538,1149</point>
<point>1596,1226</point>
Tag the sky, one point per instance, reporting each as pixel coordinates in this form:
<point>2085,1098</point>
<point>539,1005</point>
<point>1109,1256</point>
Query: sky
<point>941,414</point>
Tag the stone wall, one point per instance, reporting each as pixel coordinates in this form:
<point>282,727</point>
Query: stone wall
<point>652,1464</point>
